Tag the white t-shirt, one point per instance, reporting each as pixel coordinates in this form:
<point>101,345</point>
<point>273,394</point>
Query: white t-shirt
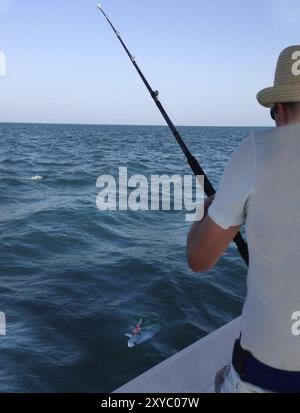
<point>230,206</point>
<point>260,187</point>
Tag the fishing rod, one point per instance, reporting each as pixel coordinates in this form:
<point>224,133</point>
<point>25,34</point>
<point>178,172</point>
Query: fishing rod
<point>192,161</point>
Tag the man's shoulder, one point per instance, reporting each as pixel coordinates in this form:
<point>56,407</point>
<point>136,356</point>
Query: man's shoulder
<point>289,135</point>
<point>263,133</point>
<point>246,148</point>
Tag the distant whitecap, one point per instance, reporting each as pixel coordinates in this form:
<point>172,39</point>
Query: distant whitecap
<point>35,178</point>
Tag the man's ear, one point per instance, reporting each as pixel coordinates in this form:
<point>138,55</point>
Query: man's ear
<point>273,112</point>
<point>281,114</point>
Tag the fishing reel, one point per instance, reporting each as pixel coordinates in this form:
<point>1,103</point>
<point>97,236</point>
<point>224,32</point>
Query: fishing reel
<point>155,94</point>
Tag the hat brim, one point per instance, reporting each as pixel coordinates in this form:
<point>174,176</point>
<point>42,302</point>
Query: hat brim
<point>279,94</point>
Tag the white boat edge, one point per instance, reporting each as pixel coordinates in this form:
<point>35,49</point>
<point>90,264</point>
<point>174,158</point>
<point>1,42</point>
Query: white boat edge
<point>192,370</point>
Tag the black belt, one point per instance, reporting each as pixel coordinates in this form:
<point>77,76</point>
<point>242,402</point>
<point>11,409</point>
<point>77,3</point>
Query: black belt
<point>254,372</point>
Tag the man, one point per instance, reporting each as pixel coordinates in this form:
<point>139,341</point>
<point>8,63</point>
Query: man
<point>260,188</point>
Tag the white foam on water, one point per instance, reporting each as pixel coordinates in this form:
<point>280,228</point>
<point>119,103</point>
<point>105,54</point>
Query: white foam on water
<point>35,178</point>
<point>22,179</point>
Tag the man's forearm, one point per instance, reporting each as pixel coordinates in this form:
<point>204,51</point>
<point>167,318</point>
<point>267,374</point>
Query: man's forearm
<point>197,224</point>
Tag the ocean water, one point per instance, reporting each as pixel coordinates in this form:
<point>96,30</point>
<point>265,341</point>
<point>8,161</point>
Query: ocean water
<point>73,280</point>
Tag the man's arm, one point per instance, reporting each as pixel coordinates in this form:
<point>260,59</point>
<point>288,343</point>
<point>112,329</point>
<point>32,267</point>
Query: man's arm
<point>209,238</point>
<point>207,242</point>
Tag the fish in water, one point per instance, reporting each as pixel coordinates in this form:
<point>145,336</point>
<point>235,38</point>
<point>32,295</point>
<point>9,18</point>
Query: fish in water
<point>134,336</point>
<point>141,333</point>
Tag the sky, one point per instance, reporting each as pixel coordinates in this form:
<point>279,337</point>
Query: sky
<point>208,59</point>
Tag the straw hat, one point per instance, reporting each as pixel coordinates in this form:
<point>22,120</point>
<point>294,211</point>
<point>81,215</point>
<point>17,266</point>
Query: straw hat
<point>287,80</point>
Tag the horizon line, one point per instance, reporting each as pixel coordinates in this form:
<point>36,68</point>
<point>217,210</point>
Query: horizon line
<point>129,124</point>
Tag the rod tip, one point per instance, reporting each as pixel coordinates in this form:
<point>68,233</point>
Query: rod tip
<point>99,6</point>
